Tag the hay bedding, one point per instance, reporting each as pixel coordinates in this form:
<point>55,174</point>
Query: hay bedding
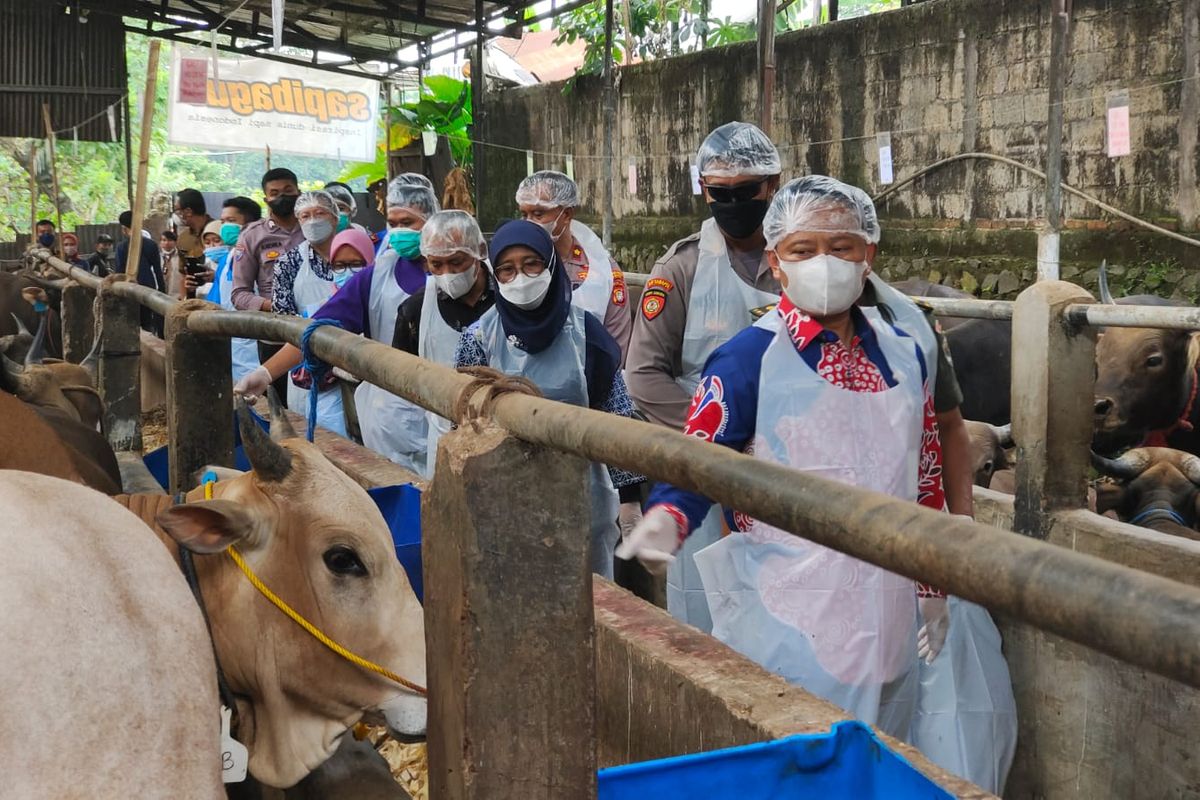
<point>407,762</point>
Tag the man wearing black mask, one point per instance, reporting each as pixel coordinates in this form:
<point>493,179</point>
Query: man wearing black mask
<point>705,289</point>
<point>260,245</point>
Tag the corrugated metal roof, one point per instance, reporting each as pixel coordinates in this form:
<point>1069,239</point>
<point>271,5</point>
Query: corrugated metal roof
<point>48,56</point>
<point>363,30</point>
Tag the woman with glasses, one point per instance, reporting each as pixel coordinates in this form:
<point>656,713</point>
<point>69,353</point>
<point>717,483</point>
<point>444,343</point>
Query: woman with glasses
<point>535,332</point>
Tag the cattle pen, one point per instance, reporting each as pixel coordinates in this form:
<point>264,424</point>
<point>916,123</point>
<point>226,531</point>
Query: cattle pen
<point>553,675</point>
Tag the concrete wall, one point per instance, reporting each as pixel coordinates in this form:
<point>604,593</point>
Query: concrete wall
<point>945,77</point>
<point>1091,726</point>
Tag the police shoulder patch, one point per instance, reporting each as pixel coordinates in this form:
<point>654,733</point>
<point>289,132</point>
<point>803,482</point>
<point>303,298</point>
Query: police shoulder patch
<point>660,283</point>
<point>653,303</point>
<point>618,292</point>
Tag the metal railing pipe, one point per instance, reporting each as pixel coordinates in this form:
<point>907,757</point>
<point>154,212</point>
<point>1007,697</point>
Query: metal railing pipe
<point>150,298</point>
<point>1170,317</point>
<point>966,308</point>
<point>1131,615</point>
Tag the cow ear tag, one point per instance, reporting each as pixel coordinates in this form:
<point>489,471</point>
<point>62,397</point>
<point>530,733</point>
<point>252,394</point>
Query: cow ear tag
<point>234,756</point>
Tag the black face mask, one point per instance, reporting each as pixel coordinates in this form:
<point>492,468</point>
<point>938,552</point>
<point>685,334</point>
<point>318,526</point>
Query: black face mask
<point>740,219</point>
<point>284,205</point>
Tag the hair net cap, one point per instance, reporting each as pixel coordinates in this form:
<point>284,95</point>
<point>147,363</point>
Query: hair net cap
<point>344,196</point>
<point>450,232</point>
<point>736,149</point>
<point>316,199</point>
<point>413,191</point>
<point>820,203</point>
<point>548,189</point>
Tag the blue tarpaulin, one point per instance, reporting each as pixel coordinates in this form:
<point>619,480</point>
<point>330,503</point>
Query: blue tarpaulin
<point>848,762</point>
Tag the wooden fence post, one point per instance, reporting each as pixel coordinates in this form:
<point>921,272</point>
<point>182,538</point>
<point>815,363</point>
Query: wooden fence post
<point>1052,396</point>
<point>508,620</point>
<point>120,384</point>
<point>78,322</point>
<point>199,398</point>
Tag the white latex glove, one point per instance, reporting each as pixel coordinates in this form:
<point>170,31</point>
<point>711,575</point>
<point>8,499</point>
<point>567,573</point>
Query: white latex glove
<point>628,518</point>
<point>935,611</point>
<point>253,384</point>
<point>653,541</point>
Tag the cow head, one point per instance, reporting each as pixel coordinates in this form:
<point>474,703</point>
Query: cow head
<point>1154,484</point>
<point>987,450</point>
<point>317,541</point>
<point>1143,380</point>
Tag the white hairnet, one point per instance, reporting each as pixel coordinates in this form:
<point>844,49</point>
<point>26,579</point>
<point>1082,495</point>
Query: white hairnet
<point>413,191</point>
<point>450,232</point>
<point>548,189</point>
<point>736,149</point>
<point>820,203</point>
<point>343,195</point>
<point>316,199</point>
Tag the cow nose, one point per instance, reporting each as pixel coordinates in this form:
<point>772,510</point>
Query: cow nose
<point>1103,405</point>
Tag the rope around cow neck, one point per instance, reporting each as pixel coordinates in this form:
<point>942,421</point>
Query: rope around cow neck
<point>317,633</point>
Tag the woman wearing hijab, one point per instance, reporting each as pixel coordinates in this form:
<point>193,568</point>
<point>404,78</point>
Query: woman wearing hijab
<point>366,303</point>
<point>535,332</point>
<point>307,277</point>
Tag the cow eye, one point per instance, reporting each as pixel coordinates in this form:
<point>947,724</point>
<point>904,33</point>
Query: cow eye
<point>1155,360</point>
<point>342,560</point>
<point>987,466</point>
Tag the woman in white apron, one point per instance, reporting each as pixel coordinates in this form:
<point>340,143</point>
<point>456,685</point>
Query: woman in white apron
<point>534,331</point>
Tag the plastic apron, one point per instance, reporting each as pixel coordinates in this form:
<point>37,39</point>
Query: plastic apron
<point>841,628</point>
<point>966,718</point>
<point>244,351</point>
<point>718,308</point>
<point>311,292</point>
<point>558,372</point>
<point>595,292</point>
<point>391,426</point>
<point>436,342</point>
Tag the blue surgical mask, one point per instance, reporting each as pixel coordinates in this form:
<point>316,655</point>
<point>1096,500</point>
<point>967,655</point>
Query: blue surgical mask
<point>342,276</point>
<point>343,221</point>
<point>46,239</point>
<point>230,232</point>
<point>406,242</point>
<point>216,251</point>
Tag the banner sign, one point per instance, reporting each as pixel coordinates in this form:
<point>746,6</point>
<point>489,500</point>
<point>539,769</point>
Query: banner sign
<point>255,103</point>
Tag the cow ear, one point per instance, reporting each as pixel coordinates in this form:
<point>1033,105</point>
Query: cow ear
<point>208,526</point>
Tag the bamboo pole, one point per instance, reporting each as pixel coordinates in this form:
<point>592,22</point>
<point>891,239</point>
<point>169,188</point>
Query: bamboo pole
<point>139,197</point>
<point>33,193</point>
<point>268,158</point>
<point>53,177</point>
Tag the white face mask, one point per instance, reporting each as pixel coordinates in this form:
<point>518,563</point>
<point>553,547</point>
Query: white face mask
<point>549,227</point>
<point>524,292</point>
<point>456,285</point>
<point>823,285</point>
<point>316,230</point>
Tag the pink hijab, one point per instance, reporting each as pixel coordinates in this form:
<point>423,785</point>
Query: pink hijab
<point>356,239</point>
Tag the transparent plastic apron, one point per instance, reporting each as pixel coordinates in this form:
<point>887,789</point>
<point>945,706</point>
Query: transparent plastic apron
<point>841,628</point>
<point>312,292</point>
<point>436,342</point>
<point>558,372</point>
<point>718,309</point>
<point>244,351</point>
<point>595,292</point>
<point>390,425</point>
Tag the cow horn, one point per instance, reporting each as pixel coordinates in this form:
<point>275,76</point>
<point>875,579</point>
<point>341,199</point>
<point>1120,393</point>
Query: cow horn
<point>1105,295</point>
<point>270,461</point>
<point>1189,465</point>
<point>281,426</point>
<point>17,378</point>
<point>37,350</point>
<point>1003,434</point>
<point>20,325</point>
<point>1127,467</point>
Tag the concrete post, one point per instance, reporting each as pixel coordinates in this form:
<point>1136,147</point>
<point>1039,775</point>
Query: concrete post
<point>120,370</point>
<point>508,621</point>
<point>199,398</point>
<point>1052,389</point>
<point>78,322</point>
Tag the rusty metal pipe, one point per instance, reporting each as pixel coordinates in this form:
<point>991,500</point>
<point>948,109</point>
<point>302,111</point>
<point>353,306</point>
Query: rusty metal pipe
<point>1133,616</point>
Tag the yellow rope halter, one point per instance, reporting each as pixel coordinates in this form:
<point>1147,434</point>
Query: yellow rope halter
<point>303,623</point>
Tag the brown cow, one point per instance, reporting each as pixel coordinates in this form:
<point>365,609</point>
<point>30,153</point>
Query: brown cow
<point>115,672</point>
<point>1159,489</point>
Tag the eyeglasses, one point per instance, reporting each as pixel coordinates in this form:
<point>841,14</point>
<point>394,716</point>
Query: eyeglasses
<point>530,267</point>
<point>734,194</point>
<point>340,265</point>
